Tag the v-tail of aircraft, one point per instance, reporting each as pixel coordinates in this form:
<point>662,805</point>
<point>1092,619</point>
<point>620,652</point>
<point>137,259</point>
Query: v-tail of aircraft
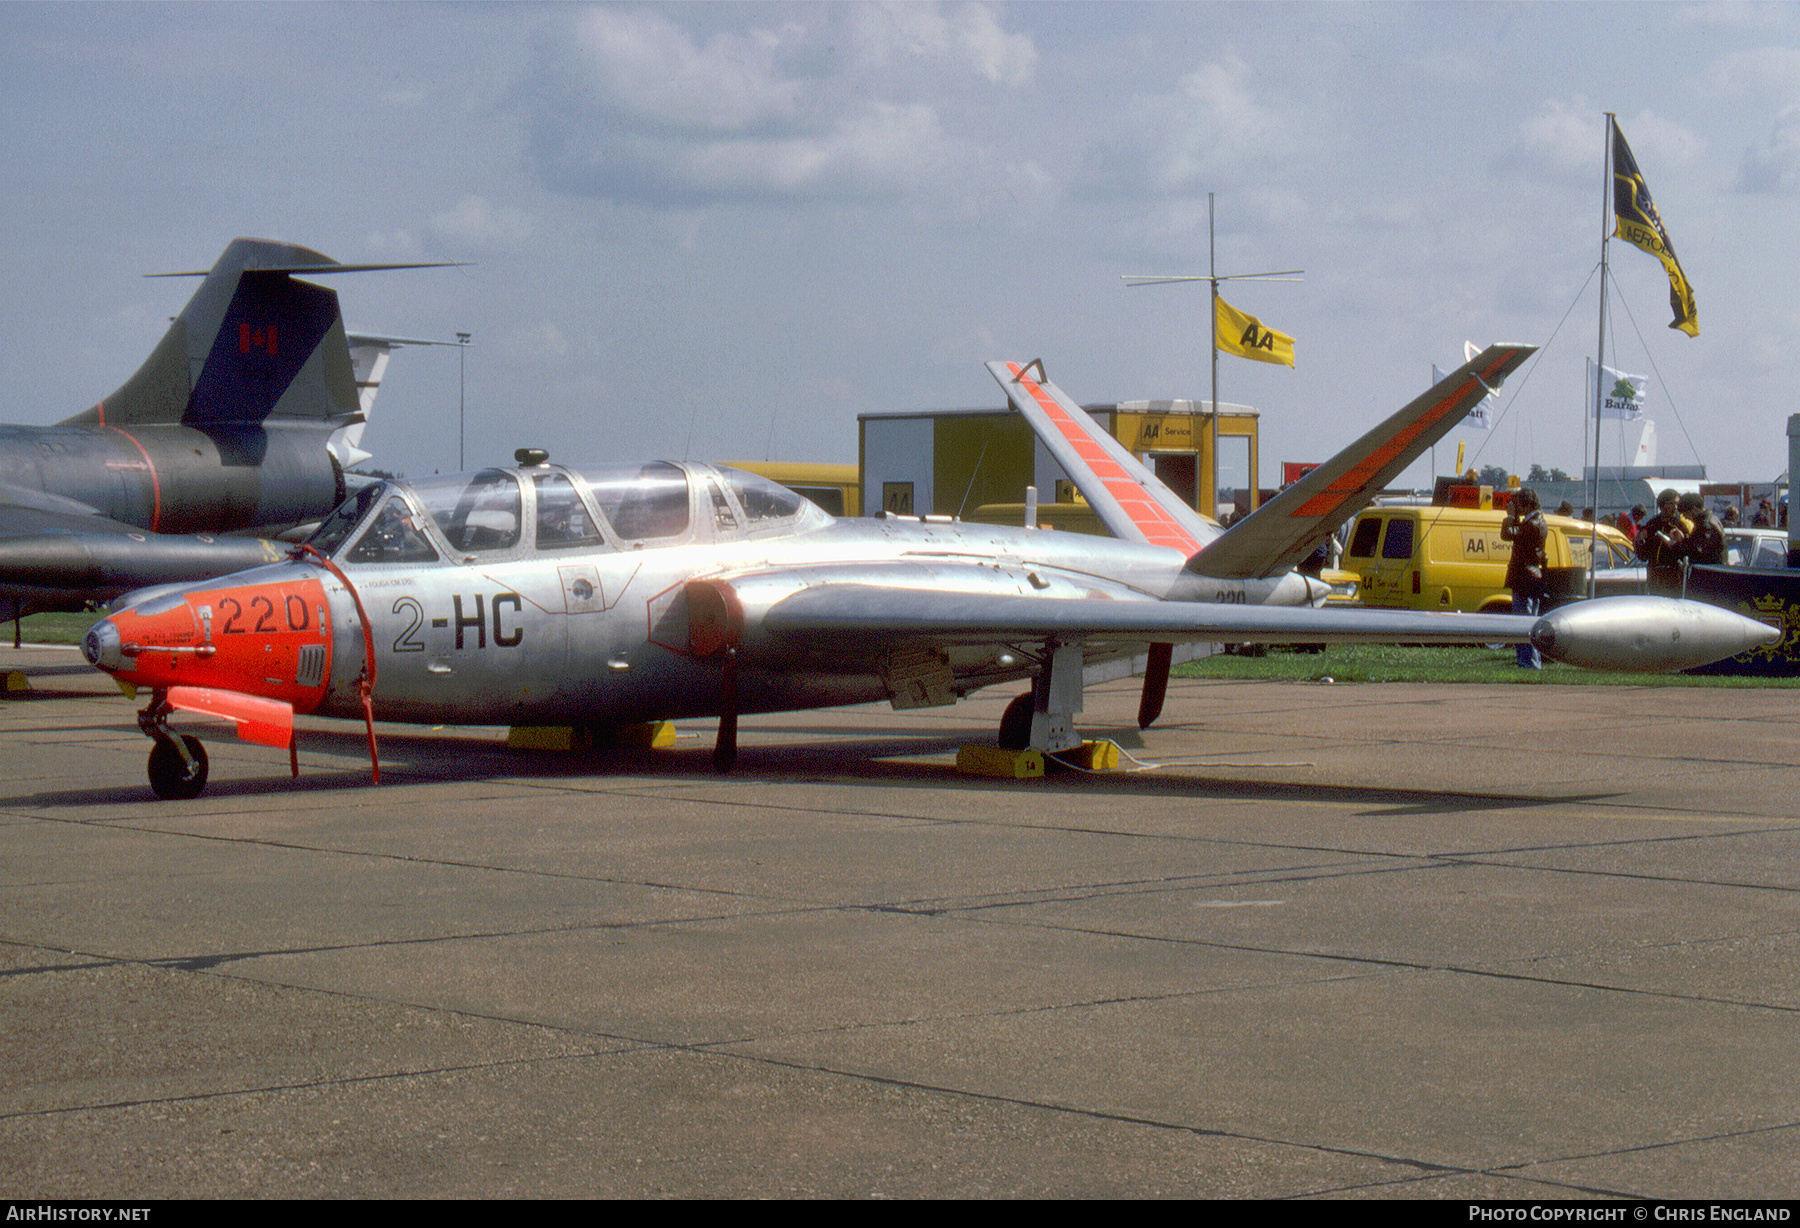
<point>1135,506</point>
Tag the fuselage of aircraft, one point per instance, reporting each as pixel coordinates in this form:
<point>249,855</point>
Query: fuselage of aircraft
<point>610,595</point>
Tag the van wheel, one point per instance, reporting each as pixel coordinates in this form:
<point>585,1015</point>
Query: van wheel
<point>1496,607</point>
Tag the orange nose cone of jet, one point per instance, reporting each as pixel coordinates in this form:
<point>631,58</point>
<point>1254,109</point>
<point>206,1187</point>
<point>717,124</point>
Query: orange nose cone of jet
<point>270,637</point>
<point>152,644</point>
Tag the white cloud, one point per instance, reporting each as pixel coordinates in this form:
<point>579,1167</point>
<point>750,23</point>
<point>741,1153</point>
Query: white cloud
<point>1664,144</point>
<point>1183,139</point>
<point>1004,59</point>
<point>1740,14</point>
<point>878,149</point>
<point>1769,76</point>
<point>968,36</point>
<point>883,144</point>
<point>638,107</point>
<point>650,69</point>
<point>473,222</point>
<point>1212,119</point>
<point>1772,73</point>
<point>1773,167</point>
<point>1563,136</point>
<point>1569,137</point>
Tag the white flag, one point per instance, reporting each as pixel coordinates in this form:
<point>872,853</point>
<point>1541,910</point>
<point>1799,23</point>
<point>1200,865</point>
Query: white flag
<point>1478,418</point>
<point>1623,396</point>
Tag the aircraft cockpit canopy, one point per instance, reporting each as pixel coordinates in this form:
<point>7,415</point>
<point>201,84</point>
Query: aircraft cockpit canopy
<point>763,501</point>
<point>644,502</point>
<point>547,508</point>
<point>563,522</point>
<point>335,528</point>
<point>483,513</point>
<point>394,537</point>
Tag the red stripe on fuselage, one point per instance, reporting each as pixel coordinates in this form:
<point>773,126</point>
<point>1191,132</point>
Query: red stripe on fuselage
<point>155,482</point>
<point>1150,517</point>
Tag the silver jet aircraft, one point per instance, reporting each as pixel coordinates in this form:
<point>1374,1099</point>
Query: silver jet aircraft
<point>606,596</point>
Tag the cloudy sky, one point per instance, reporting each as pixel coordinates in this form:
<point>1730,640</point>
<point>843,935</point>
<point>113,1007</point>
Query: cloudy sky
<point>722,231</point>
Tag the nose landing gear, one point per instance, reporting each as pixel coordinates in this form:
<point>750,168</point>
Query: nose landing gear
<point>178,765</point>
<point>178,768</point>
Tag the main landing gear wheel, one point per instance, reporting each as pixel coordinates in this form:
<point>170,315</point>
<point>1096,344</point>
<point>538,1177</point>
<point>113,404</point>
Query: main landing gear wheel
<point>171,778</point>
<point>1015,723</point>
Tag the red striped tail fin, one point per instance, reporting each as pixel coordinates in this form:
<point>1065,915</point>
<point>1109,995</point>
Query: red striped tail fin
<point>1127,497</point>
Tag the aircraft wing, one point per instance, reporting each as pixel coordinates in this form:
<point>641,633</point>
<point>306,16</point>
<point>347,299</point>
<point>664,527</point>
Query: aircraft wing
<point>870,612</point>
<point>1290,526</point>
<point>1637,634</point>
<point>1127,497</point>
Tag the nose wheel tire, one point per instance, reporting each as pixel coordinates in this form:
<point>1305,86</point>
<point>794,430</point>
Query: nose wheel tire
<point>172,778</point>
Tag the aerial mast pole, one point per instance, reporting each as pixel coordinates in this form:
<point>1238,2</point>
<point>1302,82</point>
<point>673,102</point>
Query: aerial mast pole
<point>1213,277</point>
<point>1212,443</point>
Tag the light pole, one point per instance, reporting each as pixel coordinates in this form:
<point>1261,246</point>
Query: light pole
<point>462,345</point>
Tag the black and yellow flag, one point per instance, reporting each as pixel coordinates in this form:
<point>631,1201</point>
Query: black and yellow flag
<point>1247,337</point>
<point>1639,223</point>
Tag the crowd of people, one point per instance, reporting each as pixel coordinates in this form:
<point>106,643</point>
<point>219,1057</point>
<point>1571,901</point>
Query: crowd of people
<point>1683,533</point>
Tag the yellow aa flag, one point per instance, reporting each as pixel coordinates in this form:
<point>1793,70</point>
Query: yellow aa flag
<point>1248,337</point>
<point>1639,223</point>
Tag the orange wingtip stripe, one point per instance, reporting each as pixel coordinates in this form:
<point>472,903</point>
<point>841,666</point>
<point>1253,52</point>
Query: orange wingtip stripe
<point>1151,519</point>
<point>1359,474</point>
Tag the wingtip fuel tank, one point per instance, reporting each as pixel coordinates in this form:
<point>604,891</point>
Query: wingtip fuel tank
<point>1648,635</point>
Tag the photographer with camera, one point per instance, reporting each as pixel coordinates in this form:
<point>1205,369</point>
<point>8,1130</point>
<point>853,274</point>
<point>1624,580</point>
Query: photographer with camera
<point>1661,543</point>
<point>1524,527</point>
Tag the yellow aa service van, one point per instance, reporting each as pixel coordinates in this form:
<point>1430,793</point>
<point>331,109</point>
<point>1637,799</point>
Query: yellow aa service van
<point>1453,558</point>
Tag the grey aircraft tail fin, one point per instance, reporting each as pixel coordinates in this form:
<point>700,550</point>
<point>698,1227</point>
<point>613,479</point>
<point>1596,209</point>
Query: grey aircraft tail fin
<point>369,354</point>
<point>253,344</point>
